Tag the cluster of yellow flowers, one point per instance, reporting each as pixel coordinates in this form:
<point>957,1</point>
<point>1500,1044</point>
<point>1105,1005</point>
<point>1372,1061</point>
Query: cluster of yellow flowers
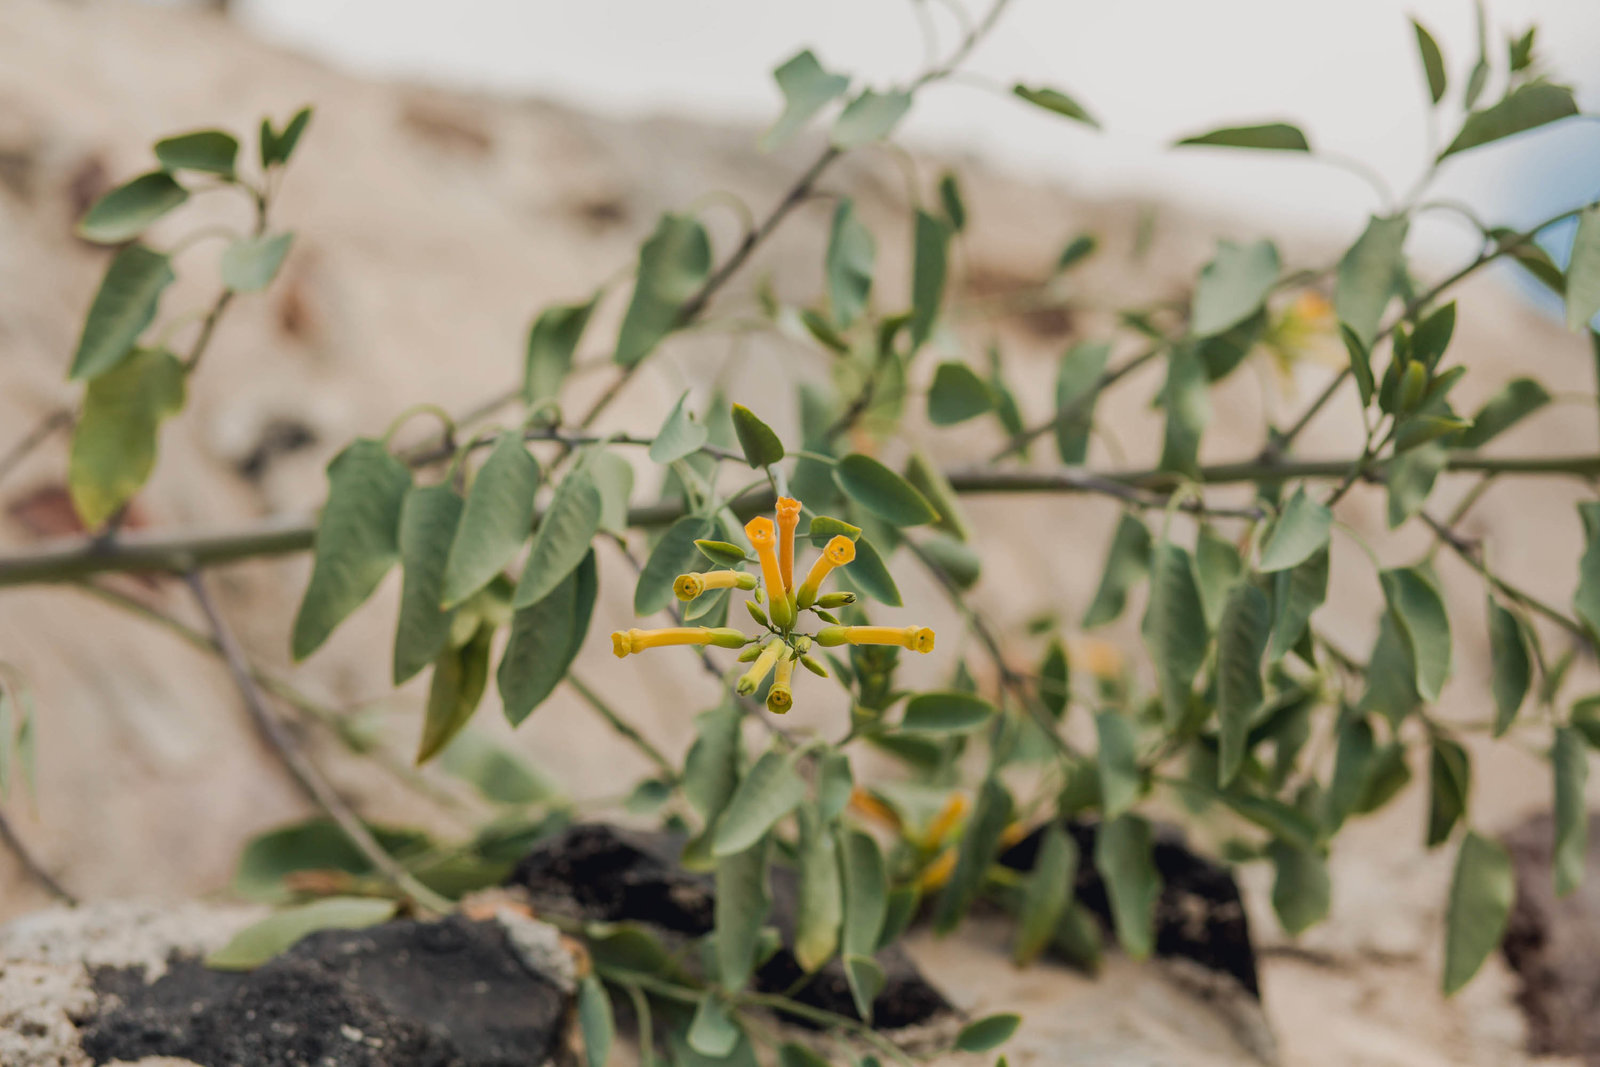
<point>781,647</point>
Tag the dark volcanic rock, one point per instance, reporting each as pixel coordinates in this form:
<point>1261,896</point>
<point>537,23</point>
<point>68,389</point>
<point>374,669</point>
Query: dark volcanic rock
<point>1199,916</point>
<point>1553,944</point>
<point>451,993</point>
<point>604,873</point>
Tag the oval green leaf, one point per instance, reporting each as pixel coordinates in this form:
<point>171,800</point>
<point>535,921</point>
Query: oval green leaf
<point>129,209</point>
<point>428,520</point>
<point>496,520</point>
<point>946,713</point>
<point>114,441</point>
<point>882,491</point>
<point>761,446</point>
<point>250,263</point>
<point>545,639</point>
<point>123,306</point>
<point>562,540</point>
<point>207,151</point>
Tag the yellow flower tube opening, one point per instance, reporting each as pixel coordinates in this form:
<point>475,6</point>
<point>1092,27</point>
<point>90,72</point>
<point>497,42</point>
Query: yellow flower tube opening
<point>763,535</point>
<point>624,642</point>
<point>780,698</point>
<point>915,638</point>
<point>691,586</point>
<point>840,550</point>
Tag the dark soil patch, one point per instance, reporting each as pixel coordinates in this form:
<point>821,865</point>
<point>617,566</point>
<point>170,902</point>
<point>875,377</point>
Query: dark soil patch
<point>404,994</point>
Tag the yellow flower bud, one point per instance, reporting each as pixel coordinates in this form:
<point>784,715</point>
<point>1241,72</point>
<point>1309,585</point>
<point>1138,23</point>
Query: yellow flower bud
<point>780,698</point>
<point>948,818</point>
<point>763,535</point>
<point>835,600</point>
<point>690,586</point>
<point>937,873</point>
<point>840,550</point>
<point>625,641</point>
<point>916,638</point>
<point>751,680</point>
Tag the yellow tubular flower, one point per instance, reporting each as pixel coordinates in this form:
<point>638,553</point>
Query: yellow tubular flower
<point>788,519</point>
<point>840,550</point>
<point>780,698</point>
<point>626,641</point>
<point>751,680</point>
<point>916,638</point>
<point>690,586</point>
<point>868,806</point>
<point>937,873</point>
<point>763,535</point>
<point>946,821</point>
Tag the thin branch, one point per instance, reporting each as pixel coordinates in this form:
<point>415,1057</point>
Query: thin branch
<point>41,432</point>
<point>305,774</point>
<point>1021,441</point>
<point>622,726</point>
<point>30,863</point>
<point>1470,555</point>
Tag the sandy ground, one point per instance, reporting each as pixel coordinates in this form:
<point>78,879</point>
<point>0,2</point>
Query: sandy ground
<point>431,227</point>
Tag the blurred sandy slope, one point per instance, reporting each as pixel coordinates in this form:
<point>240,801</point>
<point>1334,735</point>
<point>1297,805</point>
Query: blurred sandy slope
<point>431,226</point>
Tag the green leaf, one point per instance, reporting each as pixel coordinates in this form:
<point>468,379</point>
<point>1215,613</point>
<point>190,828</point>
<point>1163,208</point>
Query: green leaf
<point>1296,593</point>
<point>848,264</point>
<point>711,769</point>
<point>866,979</point>
<point>207,151</point>
<point>771,790</point>
<point>1283,821</point>
<point>123,306</point>
<point>1055,686</point>
<point>1078,378</point>
<point>882,491</point>
<point>1391,673</point>
<point>957,394</point>
<point>1272,136</point>
<point>713,1031</point>
<point>129,209</point>
<point>613,480</point>
<point>1116,760</point>
<point>987,1033</point>
<point>545,638</point>
<point>1127,562</point>
<point>955,209</point>
<point>1479,76</point>
<point>1586,598</point>
<point>1188,411</point>
<point>761,446</point>
<point>358,540</point>
<point>1077,250</point>
<point>825,528</point>
<point>500,775</point>
<point>869,574</point>
<point>673,555</point>
<point>565,532</point>
<point>1481,893</point>
<point>1411,478</point>
<point>869,117</point>
<point>819,911</point>
<point>1123,856</point>
<point>866,891</point>
<point>1360,364</point>
<point>1055,101</point>
<point>673,265</point>
<point>114,441</point>
<point>929,255</point>
<point>1217,566</point>
<point>1370,273</point>
<point>313,845</point>
<point>276,148</point>
<point>552,342</point>
<point>806,88</point>
<point>1519,398</point>
<point>1301,532</point>
<point>1301,890</point>
<point>1241,641</point>
<point>1047,894</point>
<point>1511,666</point>
<point>1233,286</point>
<point>496,520</point>
<point>1174,628</point>
<point>946,713</point>
<point>258,943</point>
<point>1353,765</point>
<point>722,553</point>
<point>742,903</point>
<point>459,678</point>
<point>1432,62</point>
<point>1583,271</point>
<point>595,1021</point>
<point>1571,766</point>
<point>1449,786</point>
<point>428,519</point>
<point>250,263</point>
<point>1420,611</point>
<point>980,843</point>
<point>792,1055</point>
<point>1524,108</point>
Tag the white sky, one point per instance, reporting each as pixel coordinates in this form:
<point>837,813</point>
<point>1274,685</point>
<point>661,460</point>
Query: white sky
<point>1151,70</point>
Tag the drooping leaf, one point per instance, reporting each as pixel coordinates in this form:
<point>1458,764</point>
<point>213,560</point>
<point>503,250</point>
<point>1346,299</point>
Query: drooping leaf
<point>1370,273</point>
<point>1481,893</point>
<point>1525,108</point>
<point>1188,411</point>
<point>957,394</point>
<point>1301,532</point>
<point>1241,642</point>
<point>946,713</point>
<point>673,264</point>
<point>552,342</point>
<point>1078,378</point>
<point>260,942</point>
<point>128,210</point>
<point>711,769</point>
<point>869,117</point>
<point>742,903</point>
<point>1055,687</point>
<point>882,491</point>
<point>1391,672</point>
<point>496,520</point>
<point>206,151</point>
<point>848,264</point>
<point>270,858</point>
<point>123,306</point>
<point>250,263</point>
<point>1449,786</point>
<point>819,912</point>
<point>955,208</point>
<point>1432,62</point>
<point>1583,271</point>
<point>1418,608</point>
<point>866,891</point>
<point>771,790</point>
<point>114,440</point>
<point>713,1032</point>
<point>1174,628</point>
<point>357,542</point>
<point>1116,761</point>
<point>929,255</point>
<point>460,675</point>
<point>1353,765</point>
<point>987,1033</point>
<point>1360,364</point>
<point>980,843</point>
<point>1570,764</point>
<point>1047,894</point>
<point>595,1022</point>
<point>1217,566</point>
<point>1296,593</point>
<point>806,89</point>
<point>1519,398</point>
<point>1586,598</point>
<point>1301,889</point>
<point>1055,101</point>
<point>1127,562</point>
<point>1123,856</point>
<point>1272,136</point>
<point>545,638</point>
<point>761,445</point>
<point>1233,286</point>
<point>1511,666</point>
<point>428,519</point>
<point>565,532</point>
